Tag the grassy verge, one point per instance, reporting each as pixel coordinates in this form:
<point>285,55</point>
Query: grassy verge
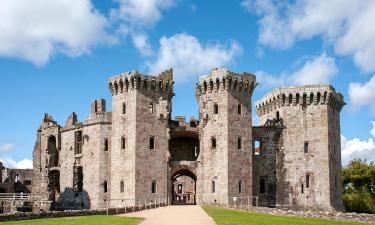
<point>236,217</point>
<point>79,220</point>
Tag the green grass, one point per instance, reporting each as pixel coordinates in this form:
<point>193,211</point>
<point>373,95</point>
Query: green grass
<point>79,220</point>
<point>236,217</point>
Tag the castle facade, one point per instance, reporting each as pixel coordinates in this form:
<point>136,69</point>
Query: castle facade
<point>139,152</point>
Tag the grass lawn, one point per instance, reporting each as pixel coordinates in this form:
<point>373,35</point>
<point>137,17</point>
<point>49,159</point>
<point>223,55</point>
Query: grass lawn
<point>79,220</point>
<point>236,217</point>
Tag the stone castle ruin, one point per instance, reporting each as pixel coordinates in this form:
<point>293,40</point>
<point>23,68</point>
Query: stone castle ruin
<point>139,152</point>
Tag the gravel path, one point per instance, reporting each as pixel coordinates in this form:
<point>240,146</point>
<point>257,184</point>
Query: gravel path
<point>174,215</point>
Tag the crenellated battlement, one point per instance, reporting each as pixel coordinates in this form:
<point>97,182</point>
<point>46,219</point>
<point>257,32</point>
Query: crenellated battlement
<point>300,96</point>
<point>135,80</point>
<point>223,79</point>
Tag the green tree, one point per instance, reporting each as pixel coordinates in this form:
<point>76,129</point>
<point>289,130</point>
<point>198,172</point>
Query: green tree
<point>359,186</point>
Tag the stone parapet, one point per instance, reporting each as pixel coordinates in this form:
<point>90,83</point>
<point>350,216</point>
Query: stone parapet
<point>300,96</point>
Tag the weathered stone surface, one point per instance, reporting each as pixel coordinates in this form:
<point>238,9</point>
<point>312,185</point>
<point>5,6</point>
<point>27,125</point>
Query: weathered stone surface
<point>137,153</point>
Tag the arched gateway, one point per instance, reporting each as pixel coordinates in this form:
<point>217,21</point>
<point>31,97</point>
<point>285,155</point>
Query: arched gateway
<point>183,154</point>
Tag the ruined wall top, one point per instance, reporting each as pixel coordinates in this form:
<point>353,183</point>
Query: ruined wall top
<point>223,79</point>
<point>300,96</point>
<point>135,80</point>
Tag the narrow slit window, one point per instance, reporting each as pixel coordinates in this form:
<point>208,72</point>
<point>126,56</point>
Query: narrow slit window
<point>277,116</point>
<point>213,188</point>
<point>239,143</point>
<point>152,142</point>
<point>306,147</point>
<point>153,187</point>
<point>78,142</point>
<point>240,186</point>
<point>307,180</point>
<point>216,109</point>
<point>106,145</point>
<point>213,142</point>
<point>302,188</point>
<point>239,109</point>
<point>123,142</point>
<point>105,187</point>
<point>123,108</point>
<point>122,186</point>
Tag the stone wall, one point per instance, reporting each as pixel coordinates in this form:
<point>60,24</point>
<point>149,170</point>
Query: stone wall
<point>141,110</point>
<point>308,168</point>
<point>224,165</point>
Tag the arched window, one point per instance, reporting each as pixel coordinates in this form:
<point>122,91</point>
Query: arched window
<point>216,109</point>
<point>213,186</point>
<point>122,186</point>
<point>297,98</point>
<point>240,186</point>
<point>78,142</point>
<point>151,108</point>
<point>239,109</point>
<point>95,106</point>
<point>123,108</point>
<point>213,142</point>
<point>152,142</point>
<point>277,116</point>
<point>304,101</point>
<point>239,143</point>
<point>257,147</point>
<point>262,186</point>
<point>123,142</point>
<point>318,98</point>
<point>311,98</point>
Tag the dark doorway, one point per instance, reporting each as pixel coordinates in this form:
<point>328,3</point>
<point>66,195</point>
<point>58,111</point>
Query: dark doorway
<point>184,188</point>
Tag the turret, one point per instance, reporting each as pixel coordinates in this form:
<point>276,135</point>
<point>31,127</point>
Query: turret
<point>309,158</point>
<point>224,99</point>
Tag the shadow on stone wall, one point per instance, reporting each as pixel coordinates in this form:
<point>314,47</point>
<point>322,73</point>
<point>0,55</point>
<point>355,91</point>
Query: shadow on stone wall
<point>71,200</point>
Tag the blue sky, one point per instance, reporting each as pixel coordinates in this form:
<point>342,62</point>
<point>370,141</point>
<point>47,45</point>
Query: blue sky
<point>56,56</point>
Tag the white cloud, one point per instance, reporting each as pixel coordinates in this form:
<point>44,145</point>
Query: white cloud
<point>357,149</point>
<point>373,128</point>
<point>140,13</point>
<point>36,30</point>
<point>6,147</point>
<point>315,70</point>
<point>189,57</point>
<point>345,26</point>
<point>142,43</point>
<point>10,163</point>
<point>362,95</point>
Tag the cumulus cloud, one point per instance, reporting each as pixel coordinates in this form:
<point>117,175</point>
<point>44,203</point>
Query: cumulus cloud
<point>189,57</point>
<point>36,30</point>
<point>315,70</point>
<point>140,13</point>
<point>373,128</point>
<point>361,95</point>
<point>344,26</point>
<point>10,163</point>
<point>357,149</point>
<point>142,43</point>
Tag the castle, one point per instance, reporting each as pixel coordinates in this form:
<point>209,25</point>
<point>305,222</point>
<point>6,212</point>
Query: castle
<point>138,151</point>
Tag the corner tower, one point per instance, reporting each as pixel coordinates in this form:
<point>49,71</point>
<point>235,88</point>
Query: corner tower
<point>309,158</point>
<point>225,126</point>
<point>141,109</point>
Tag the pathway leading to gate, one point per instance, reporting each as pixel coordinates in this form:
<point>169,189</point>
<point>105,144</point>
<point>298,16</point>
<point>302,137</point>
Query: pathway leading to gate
<point>174,214</point>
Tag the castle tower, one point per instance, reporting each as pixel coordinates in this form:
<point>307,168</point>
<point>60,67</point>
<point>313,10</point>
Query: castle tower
<point>225,126</point>
<point>309,158</point>
<point>141,109</point>
<point>46,160</point>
